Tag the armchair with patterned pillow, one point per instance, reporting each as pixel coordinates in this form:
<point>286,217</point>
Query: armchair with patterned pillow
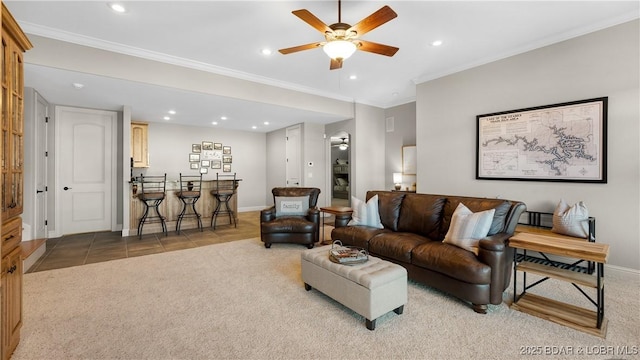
<point>294,217</point>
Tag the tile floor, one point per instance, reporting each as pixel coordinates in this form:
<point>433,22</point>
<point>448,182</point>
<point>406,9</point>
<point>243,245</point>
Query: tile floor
<point>80,249</point>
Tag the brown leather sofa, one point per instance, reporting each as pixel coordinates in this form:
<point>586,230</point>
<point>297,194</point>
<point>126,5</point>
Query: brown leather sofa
<point>414,227</point>
<point>291,229</point>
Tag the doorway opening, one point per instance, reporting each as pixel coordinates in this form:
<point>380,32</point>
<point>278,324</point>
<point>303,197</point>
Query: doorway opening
<point>340,169</point>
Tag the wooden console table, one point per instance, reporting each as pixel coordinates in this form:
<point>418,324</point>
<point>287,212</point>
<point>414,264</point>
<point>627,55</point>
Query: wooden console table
<point>592,322</point>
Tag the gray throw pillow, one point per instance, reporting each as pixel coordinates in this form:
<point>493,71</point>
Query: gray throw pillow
<point>292,205</point>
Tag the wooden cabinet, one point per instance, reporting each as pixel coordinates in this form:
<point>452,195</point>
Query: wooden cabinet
<point>139,144</point>
<point>14,44</point>
<point>11,287</point>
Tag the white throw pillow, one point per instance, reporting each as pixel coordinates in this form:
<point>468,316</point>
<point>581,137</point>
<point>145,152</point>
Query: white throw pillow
<point>467,228</point>
<point>292,205</point>
<point>365,213</point>
<point>571,220</point>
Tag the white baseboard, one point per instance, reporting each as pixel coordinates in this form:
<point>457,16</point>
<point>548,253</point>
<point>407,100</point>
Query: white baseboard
<point>252,208</point>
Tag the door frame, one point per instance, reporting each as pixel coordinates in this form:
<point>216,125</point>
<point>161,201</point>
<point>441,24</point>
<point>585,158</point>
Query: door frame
<point>41,136</point>
<point>288,150</point>
<point>114,163</point>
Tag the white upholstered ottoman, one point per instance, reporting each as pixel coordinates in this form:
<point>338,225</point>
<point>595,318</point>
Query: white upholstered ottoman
<point>371,289</point>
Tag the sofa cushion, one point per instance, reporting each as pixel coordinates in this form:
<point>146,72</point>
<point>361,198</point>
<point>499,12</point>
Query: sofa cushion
<point>356,235</point>
<point>451,260</point>
<point>388,206</point>
<point>291,205</point>
<point>289,224</point>
<point>421,214</point>
<point>395,245</point>
<point>467,228</point>
<point>365,213</point>
<point>501,207</point>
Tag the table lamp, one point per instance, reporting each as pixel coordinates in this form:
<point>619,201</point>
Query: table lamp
<point>397,180</point>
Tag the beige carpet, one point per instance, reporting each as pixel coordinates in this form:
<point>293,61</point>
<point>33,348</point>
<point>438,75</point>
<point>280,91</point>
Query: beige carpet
<point>239,300</point>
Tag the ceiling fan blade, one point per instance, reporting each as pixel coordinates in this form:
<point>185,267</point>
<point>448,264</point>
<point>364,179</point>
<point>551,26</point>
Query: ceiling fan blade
<point>335,64</point>
<point>312,20</point>
<point>374,20</point>
<point>376,48</point>
<point>300,48</point>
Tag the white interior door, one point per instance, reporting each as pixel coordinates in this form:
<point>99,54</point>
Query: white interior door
<point>294,156</point>
<point>86,166</point>
<point>40,220</point>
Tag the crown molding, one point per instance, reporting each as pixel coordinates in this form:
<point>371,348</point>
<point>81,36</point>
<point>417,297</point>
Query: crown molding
<point>531,46</point>
<point>88,41</point>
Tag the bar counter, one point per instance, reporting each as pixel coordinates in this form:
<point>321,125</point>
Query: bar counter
<point>172,206</point>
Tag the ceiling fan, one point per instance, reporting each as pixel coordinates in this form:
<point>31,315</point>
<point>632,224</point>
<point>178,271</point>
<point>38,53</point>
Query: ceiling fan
<point>342,145</point>
<point>342,40</point>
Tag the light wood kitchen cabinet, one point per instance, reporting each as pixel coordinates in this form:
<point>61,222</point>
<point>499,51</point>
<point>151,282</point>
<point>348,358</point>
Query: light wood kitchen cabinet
<point>139,144</point>
<point>14,44</point>
<point>11,304</point>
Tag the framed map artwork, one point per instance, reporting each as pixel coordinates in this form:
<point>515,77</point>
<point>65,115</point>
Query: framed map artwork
<point>560,142</point>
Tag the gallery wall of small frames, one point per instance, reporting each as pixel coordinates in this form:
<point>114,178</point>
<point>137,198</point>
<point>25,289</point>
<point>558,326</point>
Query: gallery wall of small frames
<point>210,155</point>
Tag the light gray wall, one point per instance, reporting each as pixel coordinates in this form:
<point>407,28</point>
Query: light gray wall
<point>314,152</point>
<point>404,133</point>
<point>276,162</point>
<point>604,63</point>
<point>170,145</point>
<point>367,154</point>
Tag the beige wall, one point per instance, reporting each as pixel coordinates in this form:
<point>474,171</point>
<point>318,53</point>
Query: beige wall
<point>604,63</point>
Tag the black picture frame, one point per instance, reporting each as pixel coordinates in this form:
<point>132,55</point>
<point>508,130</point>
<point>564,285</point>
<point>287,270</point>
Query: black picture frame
<point>564,142</point>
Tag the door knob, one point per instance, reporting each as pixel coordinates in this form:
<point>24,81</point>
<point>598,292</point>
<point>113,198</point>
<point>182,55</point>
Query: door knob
<point>66,188</point>
<point>39,191</point>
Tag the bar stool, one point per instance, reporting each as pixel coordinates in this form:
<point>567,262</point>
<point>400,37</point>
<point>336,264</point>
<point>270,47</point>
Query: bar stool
<point>189,194</point>
<point>152,194</point>
<point>223,191</point>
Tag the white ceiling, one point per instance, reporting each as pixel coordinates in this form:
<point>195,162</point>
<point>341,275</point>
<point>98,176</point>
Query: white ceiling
<point>226,37</point>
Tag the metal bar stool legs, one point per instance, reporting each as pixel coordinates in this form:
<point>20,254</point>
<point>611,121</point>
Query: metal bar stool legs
<point>152,195</point>
<point>155,204</point>
<point>225,188</point>
<point>222,207</point>
<point>190,186</point>
<point>186,203</point>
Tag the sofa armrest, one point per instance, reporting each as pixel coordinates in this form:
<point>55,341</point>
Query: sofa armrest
<point>497,242</point>
<point>342,220</point>
<point>493,251</point>
<point>313,215</point>
<point>268,214</point>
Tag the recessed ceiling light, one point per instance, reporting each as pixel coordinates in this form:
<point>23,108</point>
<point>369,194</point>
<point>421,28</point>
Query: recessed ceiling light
<point>265,51</point>
<point>353,77</point>
<point>77,85</point>
<point>167,118</point>
<point>254,127</point>
<point>436,43</point>
<point>223,118</point>
<point>172,112</point>
<point>214,123</point>
<point>117,7</point>
<point>266,123</point>
<point>394,94</point>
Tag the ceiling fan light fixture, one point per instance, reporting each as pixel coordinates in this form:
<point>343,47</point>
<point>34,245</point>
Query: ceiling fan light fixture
<point>343,147</point>
<point>339,49</point>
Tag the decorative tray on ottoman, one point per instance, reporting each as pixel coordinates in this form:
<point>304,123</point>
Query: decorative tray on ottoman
<point>347,255</point>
